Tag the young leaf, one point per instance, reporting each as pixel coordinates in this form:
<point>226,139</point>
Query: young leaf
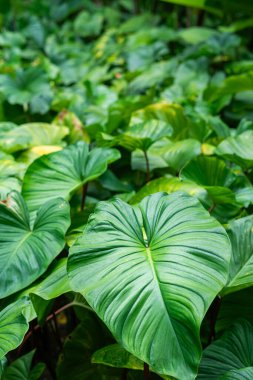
<point>171,258</point>
<point>62,173</point>
<point>28,248</point>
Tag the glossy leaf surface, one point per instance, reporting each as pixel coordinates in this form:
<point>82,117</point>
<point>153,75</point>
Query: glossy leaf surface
<point>166,244</point>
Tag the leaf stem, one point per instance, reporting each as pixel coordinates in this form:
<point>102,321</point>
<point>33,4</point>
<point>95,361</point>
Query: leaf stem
<point>146,371</point>
<point>210,210</point>
<point>84,193</point>
<point>52,316</point>
<point>147,166</point>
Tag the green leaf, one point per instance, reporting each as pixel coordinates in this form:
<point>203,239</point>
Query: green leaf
<point>230,86</point>
<point>139,136</point>
<point>240,233</point>
<point>169,185</point>
<point>75,361</point>
<point>213,175</point>
<point>177,154</point>
<point>10,174</point>
<point>53,284</point>
<point>21,369</point>
<point>27,245</point>
<point>29,86</point>
<point>172,114</point>
<point>30,135</point>
<point>238,149</point>
<point>87,24</point>
<point>116,356</point>
<point>234,306</point>
<point>200,4</point>
<point>240,374</point>
<point>244,195</point>
<point>13,326</point>
<point>62,173</point>
<point>195,35</point>
<point>232,351</point>
<point>166,153</point>
<point>158,250</point>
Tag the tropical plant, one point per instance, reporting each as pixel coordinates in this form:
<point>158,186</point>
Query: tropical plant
<point>126,190</point>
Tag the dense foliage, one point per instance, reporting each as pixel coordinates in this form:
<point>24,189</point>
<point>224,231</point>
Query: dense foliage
<point>126,188</point>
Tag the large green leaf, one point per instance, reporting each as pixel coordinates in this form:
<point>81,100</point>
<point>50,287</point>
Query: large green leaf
<point>232,351</point>
<point>172,259</point>
<point>28,248</point>
<point>62,173</point>
<point>13,326</point>
<point>238,149</point>
<point>241,266</point>
<point>21,369</point>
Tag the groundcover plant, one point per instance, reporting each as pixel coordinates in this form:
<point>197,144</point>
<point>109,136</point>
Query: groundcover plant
<point>126,195</point>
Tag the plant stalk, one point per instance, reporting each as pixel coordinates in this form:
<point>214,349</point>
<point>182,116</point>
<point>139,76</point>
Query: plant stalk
<point>52,316</point>
<point>146,371</point>
<point>210,210</point>
<point>147,166</point>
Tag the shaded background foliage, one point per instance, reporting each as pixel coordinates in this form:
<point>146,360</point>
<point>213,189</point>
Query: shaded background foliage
<point>119,99</point>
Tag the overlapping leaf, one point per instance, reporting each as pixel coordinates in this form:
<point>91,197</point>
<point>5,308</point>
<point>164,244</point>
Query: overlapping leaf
<point>28,247</point>
<point>62,173</point>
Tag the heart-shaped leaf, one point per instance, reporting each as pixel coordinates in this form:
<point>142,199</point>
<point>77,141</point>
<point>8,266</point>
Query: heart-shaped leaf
<point>171,258</point>
<point>62,173</point>
<point>27,248</point>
